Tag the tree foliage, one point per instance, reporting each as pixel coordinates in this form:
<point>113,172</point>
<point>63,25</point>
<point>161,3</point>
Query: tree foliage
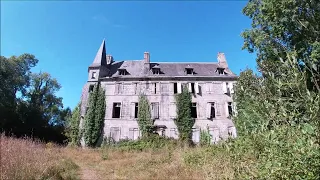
<point>72,126</point>
<point>184,121</point>
<point>144,115</point>
<point>28,102</point>
<point>278,112</point>
<point>94,118</point>
<point>279,27</point>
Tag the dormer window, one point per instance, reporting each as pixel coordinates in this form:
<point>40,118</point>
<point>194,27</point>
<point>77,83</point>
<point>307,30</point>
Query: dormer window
<point>156,69</point>
<point>122,72</point>
<point>220,70</point>
<point>93,76</point>
<point>189,70</point>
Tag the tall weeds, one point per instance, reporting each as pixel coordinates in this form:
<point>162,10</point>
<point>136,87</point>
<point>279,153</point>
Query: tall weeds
<point>27,159</point>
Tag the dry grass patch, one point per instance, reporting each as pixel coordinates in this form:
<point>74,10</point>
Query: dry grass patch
<point>27,159</point>
<point>152,164</point>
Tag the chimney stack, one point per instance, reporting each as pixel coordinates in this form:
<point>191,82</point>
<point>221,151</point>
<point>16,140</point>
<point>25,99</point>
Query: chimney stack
<point>146,57</point>
<point>109,59</point>
<point>222,60</point>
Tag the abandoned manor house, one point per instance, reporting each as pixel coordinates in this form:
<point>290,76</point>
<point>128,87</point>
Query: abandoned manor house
<point>210,83</point>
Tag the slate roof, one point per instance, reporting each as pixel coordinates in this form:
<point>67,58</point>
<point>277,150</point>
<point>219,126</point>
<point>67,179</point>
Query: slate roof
<point>135,68</point>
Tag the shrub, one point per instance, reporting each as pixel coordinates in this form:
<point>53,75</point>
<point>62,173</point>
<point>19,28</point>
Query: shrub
<point>153,142</point>
<point>205,138</point>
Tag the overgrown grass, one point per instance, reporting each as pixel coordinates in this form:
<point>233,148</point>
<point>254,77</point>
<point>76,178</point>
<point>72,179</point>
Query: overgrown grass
<point>27,159</point>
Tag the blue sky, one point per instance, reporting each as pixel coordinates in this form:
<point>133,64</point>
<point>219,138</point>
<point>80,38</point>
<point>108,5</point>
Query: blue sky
<point>65,35</point>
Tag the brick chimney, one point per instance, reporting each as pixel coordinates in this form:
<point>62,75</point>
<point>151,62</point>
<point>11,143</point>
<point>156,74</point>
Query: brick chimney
<point>146,59</point>
<point>222,60</point>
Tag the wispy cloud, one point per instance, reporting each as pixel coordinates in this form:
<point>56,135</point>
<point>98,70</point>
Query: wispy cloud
<point>104,20</point>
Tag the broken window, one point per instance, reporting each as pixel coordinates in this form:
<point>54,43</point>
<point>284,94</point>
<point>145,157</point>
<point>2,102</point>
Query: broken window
<point>155,88</point>
<point>116,110</point>
<point>229,109</point>
<point>136,110</point>
<point>156,71</point>
<point>189,71</point>
<point>122,72</point>
<point>211,110</point>
<point>175,88</point>
<point>220,70</point>
<point>194,110</point>
<point>191,88</point>
<point>93,75</point>
<point>155,110</point>
<point>91,88</point>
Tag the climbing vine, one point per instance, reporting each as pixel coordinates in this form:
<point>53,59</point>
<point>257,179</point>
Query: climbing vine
<point>144,115</point>
<point>94,119</point>
<point>184,121</point>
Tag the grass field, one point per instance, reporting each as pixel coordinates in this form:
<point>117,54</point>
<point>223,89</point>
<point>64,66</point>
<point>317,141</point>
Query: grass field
<point>27,159</point>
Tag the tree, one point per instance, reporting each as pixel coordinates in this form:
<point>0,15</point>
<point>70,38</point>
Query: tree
<point>28,104</point>
<point>44,109</point>
<point>94,118</point>
<point>279,27</point>
<point>72,126</point>
<point>14,78</point>
<point>184,121</point>
<point>144,115</point>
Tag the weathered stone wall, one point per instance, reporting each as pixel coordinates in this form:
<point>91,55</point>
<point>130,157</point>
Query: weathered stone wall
<point>127,127</point>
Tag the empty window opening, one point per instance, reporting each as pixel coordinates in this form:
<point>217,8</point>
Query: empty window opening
<point>93,75</point>
<point>155,88</point>
<point>194,110</point>
<point>175,88</point>
<point>230,109</point>
<point>220,70</point>
<point>116,110</point>
<point>212,111</point>
<point>228,89</point>
<point>91,88</point>
<point>192,88</point>
<point>156,71</point>
<point>189,71</point>
<point>136,110</point>
<point>122,72</point>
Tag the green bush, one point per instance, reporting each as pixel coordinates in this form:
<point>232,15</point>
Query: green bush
<point>152,141</point>
<point>205,138</point>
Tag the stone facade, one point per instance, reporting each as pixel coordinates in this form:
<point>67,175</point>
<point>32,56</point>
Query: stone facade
<point>123,81</point>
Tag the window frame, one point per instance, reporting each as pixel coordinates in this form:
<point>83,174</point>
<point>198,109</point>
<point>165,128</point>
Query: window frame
<point>114,110</point>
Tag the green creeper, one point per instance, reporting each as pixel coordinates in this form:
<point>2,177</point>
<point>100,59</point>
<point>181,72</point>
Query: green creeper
<point>94,119</point>
<point>144,115</point>
<point>184,121</point>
